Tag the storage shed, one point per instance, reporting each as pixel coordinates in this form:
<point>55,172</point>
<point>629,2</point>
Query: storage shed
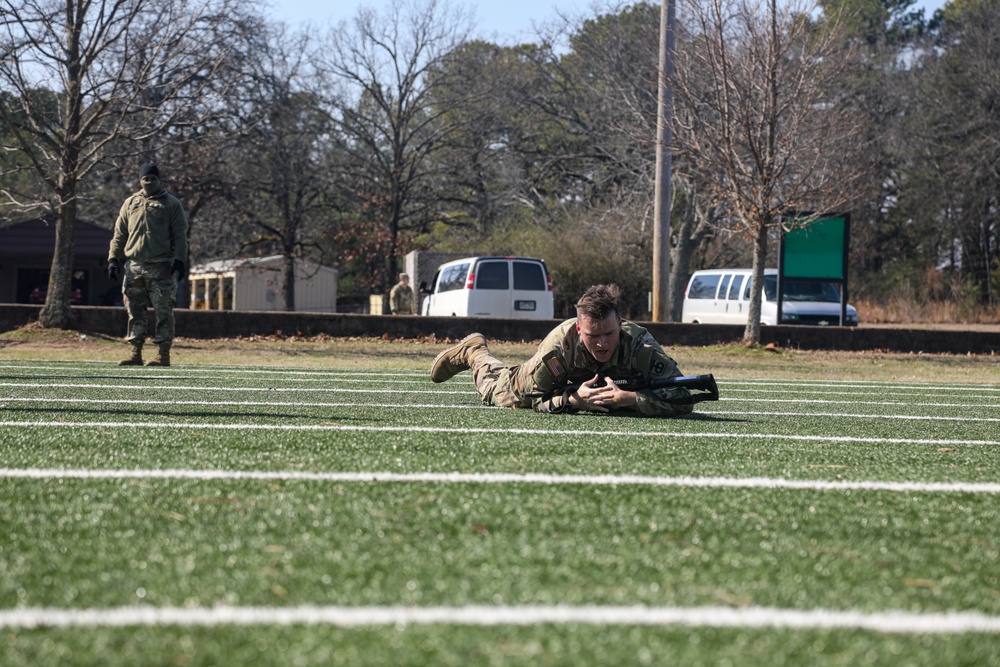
<point>258,284</point>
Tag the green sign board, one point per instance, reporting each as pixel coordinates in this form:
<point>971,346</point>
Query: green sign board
<point>817,250</point>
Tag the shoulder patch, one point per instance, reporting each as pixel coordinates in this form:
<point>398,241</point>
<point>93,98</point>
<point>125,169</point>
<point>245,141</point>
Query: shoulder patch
<point>555,365</point>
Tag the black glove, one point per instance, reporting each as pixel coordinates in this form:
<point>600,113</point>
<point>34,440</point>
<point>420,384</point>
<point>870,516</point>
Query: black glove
<point>113,270</point>
<point>178,268</point>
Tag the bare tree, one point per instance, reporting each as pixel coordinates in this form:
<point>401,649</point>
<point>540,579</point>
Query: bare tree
<point>384,108</point>
<point>89,74</point>
<point>762,124</point>
<point>281,180</point>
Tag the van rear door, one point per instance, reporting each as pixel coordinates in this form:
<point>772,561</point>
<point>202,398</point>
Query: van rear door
<point>491,296</point>
<point>530,296</point>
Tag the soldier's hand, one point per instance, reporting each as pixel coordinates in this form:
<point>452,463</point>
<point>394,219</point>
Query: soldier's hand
<point>597,396</point>
<point>178,268</point>
<point>593,395</point>
<point>113,270</point>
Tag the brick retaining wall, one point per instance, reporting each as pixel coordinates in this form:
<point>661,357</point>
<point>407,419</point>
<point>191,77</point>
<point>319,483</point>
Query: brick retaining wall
<point>230,324</point>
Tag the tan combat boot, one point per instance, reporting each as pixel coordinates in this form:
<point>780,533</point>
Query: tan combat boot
<point>162,357</point>
<point>135,359</point>
<point>458,358</point>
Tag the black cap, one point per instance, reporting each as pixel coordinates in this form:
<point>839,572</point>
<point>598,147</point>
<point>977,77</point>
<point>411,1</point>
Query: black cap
<point>149,170</point>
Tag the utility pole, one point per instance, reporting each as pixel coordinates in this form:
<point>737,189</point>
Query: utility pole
<point>661,195</point>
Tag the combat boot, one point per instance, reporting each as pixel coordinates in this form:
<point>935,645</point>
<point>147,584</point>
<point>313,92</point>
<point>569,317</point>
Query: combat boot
<point>135,359</point>
<point>458,358</point>
<point>162,357</point>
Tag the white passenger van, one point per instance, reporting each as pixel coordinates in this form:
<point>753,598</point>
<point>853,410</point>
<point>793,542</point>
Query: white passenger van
<point>722,296</point>
<point>511,287</point>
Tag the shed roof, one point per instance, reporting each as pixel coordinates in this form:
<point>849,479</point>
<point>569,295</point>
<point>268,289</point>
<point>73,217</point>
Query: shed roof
<point>274,263</point>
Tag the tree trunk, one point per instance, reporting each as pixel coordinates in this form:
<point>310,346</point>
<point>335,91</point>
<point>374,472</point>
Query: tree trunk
<point>751,335</point>
<point>56,312</point>
<point>289,286</point>
<point>680,265</point>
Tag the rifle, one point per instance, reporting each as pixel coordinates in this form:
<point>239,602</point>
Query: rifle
<point>704,384</point>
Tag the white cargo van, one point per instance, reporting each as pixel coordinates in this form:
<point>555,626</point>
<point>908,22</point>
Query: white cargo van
<point>722,296</point>
<point>511,287</point>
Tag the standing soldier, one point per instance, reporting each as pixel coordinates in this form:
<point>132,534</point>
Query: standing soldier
<point>401,297</point>
<point>151,237</point>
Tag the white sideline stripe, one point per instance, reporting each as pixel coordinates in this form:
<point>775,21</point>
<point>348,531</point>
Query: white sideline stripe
<point>275,390</point>
<point>415,390</point>
<point>485,431</point>
<point>124,380</point>
<point>507,478</point>
<point>269,404</point>
<point>215,371</point>
<point>808,391</point>
<point>847,401</point>
<point>705,408</point>
<point>436,406</point>
<point>891,621</point>
<point>461,392</point>
<point>841,384</point>
<point>849,415</point>
<point>420,375</point>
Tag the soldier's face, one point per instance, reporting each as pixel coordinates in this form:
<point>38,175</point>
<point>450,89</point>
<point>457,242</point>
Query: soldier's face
<point>600,337</point>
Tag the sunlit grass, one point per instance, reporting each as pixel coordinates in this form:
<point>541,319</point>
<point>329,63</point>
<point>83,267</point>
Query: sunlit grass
<point>163,540</point>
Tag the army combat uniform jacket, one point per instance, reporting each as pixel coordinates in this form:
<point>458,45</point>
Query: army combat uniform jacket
<point>562,360</point>
<point>401,300</point>
<point>150,230</point>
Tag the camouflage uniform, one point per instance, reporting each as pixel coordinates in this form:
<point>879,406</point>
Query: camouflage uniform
<point>401,300</point>
<point>562,359</point>
<point>150,232</point>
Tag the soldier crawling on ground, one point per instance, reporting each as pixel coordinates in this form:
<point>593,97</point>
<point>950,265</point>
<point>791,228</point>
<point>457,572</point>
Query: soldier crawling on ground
<point>574,367</point>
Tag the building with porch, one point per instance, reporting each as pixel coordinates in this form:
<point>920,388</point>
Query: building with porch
<point>258,284</point>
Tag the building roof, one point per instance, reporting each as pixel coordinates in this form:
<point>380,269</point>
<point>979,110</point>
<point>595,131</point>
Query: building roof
<point>38,237</point>
<point>273,263</point>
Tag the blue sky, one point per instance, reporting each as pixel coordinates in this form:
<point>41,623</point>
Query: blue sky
<point>502,21</point>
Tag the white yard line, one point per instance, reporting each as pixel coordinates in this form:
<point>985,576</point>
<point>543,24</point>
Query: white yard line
<point>279,390</point>
<point>214,371</point>
<point>849,415</point>
<point>269,404</point>
<point>433,406</point>
<point>890,621</point>
<point>505,478</point>
<point>488,431</point>
<point>862,384</point>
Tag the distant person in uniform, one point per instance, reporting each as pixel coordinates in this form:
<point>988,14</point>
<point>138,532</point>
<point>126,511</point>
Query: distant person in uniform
<point>151,239</point>
<point>401,301</point>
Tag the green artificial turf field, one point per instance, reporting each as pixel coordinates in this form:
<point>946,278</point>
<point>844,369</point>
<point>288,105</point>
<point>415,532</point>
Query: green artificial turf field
<point>267,515</point>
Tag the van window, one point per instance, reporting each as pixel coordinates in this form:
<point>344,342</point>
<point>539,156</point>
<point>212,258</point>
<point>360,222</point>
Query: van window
<point>453,278</point>
<point>734,288</point>
<point>724,287</point>
<point>529,276</point>
<point>770,288</point>
<point>798,290</point>
<point>704,287</point>
<point>492,275</point>
<point>802,290</point>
